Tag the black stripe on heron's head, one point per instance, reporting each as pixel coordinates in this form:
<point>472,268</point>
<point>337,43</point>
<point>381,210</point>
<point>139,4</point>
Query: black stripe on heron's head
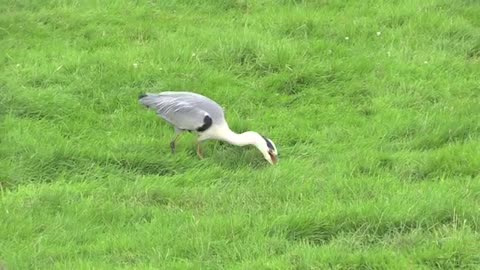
<point>269,144</point>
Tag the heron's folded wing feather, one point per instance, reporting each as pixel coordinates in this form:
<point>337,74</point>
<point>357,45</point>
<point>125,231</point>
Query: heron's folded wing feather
<point>180,113</point>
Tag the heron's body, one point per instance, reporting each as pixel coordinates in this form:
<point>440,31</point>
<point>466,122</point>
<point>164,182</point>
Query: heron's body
<point>187,111</point>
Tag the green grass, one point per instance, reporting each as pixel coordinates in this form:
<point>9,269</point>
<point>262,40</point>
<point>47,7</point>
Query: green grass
<point>373,105</point>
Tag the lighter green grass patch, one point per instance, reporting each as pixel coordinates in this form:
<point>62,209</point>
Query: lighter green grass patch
<point>373,107</point>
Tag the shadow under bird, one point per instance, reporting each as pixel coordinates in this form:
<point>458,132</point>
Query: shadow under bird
<point>187,111</point>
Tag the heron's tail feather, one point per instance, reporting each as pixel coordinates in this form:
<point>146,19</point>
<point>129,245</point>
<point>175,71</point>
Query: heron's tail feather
<point>149,100</point>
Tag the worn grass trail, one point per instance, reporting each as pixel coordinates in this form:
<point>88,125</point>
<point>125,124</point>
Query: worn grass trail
<point>373,105</point>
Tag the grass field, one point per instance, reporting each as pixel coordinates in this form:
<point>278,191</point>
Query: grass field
<point>374,107</point>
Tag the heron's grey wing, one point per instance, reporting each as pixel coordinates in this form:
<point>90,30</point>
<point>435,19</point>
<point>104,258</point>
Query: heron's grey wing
<point>180,113</point>
<point>198,101</point>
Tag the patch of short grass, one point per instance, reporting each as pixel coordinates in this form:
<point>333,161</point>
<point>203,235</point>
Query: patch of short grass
<point>373,106</point>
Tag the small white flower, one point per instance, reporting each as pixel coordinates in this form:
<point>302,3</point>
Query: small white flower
<point>426,62</point>
<point>379,33</point>
<point>347,38</point>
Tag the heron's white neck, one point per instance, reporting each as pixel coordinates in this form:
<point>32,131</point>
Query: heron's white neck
<point>242,139</point>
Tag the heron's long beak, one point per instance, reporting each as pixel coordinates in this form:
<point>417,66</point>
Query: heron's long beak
<point>274,158</point>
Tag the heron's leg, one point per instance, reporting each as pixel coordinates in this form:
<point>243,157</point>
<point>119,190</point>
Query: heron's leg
<point>172,143</point>
<point>199,150</point>
<point>174,140</point>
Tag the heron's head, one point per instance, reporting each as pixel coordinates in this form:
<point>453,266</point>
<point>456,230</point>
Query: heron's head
<point>268,149</point>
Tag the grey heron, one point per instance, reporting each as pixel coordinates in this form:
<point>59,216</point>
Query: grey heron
<point>187,111</point>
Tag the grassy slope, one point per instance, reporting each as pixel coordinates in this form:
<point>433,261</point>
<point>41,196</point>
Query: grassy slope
<point>379,135</point>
